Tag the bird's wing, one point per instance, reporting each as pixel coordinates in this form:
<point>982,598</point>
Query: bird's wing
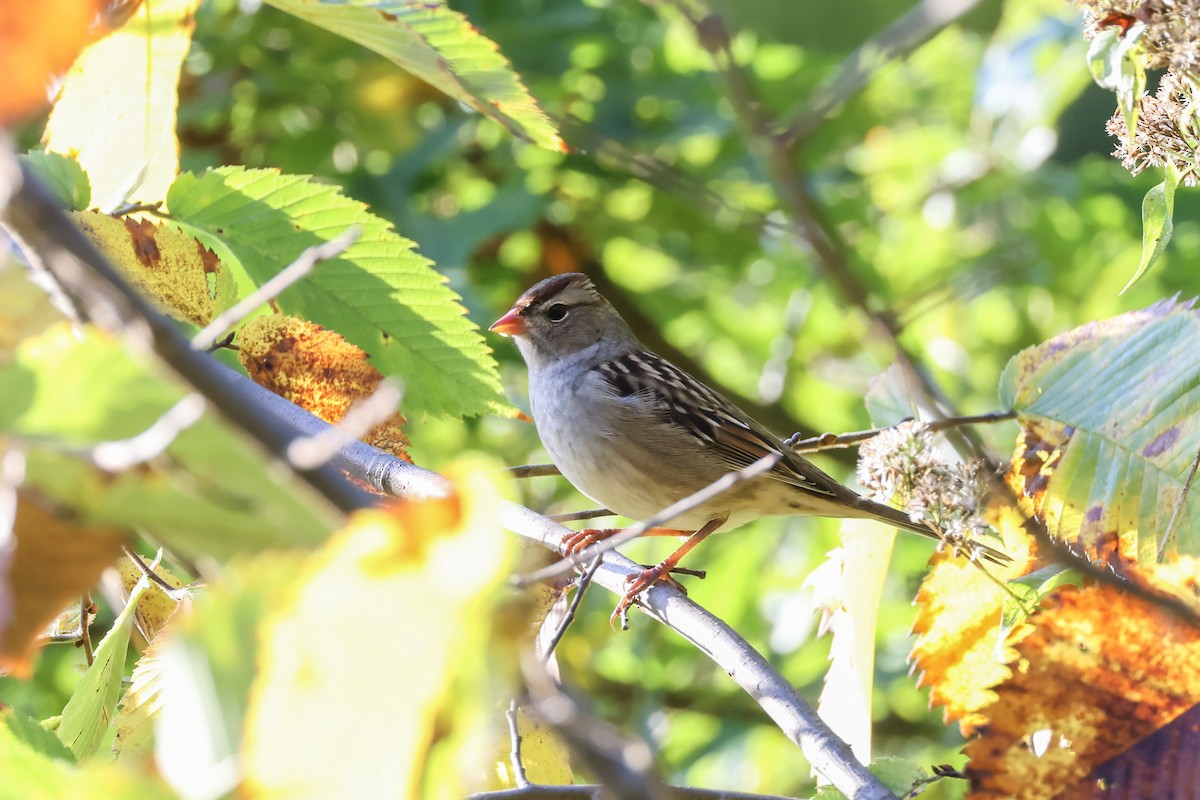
<point>733,437</point>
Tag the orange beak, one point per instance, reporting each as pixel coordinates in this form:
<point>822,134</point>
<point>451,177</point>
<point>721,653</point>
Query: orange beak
<point>509,325</point>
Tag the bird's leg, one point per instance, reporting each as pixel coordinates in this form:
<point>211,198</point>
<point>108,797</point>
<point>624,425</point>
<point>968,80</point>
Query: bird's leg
<point>580,540</point>
<point>640,583</point>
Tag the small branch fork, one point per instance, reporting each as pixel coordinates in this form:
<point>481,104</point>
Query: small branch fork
<point>827,441</point>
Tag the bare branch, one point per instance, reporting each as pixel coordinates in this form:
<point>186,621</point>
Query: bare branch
<point>532,471</point>
<point>514,753</point>
<point>86,607</point>
<point>828,755</point>
<point>598,792</point>
<point>917,26</point>
<point>581,585</point>
<point>176,593</point>
<point>591,513</point>
<point>830,440</point>
<point>298,269</point>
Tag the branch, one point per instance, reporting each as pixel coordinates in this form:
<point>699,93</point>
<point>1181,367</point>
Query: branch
<point>107,300</point>
<point>598,792</point>
<point>917,26</point>
<point>827,754</point>
<point>829,440</point>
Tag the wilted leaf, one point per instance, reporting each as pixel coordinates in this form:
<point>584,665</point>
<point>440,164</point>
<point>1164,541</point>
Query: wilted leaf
<point>961,649</point>
<point>38,40</point>
<point>1111,431</point>
<point>1100,670</point>
<point>317,370</point>
<point>62,176</point>
<point>211,494</point>
<point>128,80</point>
<point>386,619</point>
<point>88,714</point>
<point>182,276</point>
<point>440,46</point>
<point>380,294</point>
<point>55,561</point>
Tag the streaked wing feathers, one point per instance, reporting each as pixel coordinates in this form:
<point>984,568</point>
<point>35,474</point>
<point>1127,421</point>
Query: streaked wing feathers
<point>734,438</point>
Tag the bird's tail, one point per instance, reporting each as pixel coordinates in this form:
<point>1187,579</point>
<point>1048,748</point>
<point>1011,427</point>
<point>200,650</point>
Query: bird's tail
<point>894,516</point>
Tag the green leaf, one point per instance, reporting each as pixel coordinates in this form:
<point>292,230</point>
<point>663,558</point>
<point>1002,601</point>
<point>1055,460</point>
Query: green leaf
<point>1118,64</point>
<point>62,176</point>
<point>1030,589</point>
<point>212,494</point>
<point>88,714</point>
<point>116,109</point>
<point>1158,209</point>
<point>442,48</point>
<point>28,732</point>
<point>1119,398</point>
<point>380,294</point>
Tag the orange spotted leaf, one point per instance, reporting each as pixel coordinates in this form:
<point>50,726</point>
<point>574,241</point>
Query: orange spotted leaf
<point>317,370</point>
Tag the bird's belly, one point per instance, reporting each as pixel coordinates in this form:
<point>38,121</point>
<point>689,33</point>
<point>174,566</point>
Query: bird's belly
<point>634,477</point>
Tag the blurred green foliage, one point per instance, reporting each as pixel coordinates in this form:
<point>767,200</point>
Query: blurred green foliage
<point>969,184</point>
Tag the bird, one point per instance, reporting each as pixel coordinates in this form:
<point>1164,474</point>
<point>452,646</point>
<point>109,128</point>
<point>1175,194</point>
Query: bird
<point>635,433</point>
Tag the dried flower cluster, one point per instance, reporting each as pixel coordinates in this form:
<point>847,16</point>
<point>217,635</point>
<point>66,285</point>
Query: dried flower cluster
<point>903,464</point>
<point>1172,37</point>
<point>1166,131</point>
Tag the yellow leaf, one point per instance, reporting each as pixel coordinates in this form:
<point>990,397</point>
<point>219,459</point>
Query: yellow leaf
<point>182,276</point>
<point>357,669</point>
<point>115,112</point>
<point>317,370</point>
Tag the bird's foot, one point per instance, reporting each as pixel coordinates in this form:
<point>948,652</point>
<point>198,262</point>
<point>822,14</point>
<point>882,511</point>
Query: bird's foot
<point>636,584</point>
<point>574,543</point>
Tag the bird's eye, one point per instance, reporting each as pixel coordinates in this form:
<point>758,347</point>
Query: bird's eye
<point>556,312</point>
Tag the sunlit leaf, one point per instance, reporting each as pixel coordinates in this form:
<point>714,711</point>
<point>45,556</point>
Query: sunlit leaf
<point>56,560</point>
<point>961,649</point>
<point>115,112</point>
<point>440,46</point>
<point>182,276</point>
<point>29,733</point>
<point>339,653</point>
<point>381,295</point>
<point>317,370</point>
<point>1100,670</point>
<point>210,496</point>
<point>62,176</point>
<point>1111,410</point>
<point>1158,210</point>
<point>138,712</point>
<point>88,714</point>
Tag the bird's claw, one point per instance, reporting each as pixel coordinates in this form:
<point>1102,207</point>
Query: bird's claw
<point>635,585</point>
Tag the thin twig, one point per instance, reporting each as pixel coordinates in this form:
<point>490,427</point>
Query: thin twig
<point>176,593</point>
<point>134,208</point>
<point>1179,504</point>
<point>917,26</point>
<point>694,500</point>
<point>831,440</point>
<point>85,629</point>
<point>601,792</point>
<point>304,264</point>
<point>532,471</point>
<point>581,585</point>
<point>591,513</point>
<point>514,752</point>
<point>117,456</point>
